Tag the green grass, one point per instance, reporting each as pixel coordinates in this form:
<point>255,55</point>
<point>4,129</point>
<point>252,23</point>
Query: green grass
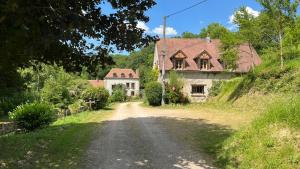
<point>266,79</point>
<point>60,145</point>
<point>271,141</point>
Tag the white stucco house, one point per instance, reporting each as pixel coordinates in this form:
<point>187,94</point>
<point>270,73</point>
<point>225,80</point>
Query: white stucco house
<point>199,64</point>
<point>126,77</point>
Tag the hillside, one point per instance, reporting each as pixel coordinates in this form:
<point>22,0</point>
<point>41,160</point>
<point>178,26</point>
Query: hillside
<point>272,140</point>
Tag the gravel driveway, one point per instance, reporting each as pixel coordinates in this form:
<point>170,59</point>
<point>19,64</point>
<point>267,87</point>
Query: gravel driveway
<point>135,137</point>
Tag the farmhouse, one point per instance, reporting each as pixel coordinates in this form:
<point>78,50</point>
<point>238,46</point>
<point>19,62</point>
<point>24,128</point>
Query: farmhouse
<point>198,61</point>
<point>128,78</point>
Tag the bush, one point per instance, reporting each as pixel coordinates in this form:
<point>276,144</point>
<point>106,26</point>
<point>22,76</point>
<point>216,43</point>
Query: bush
<point>78,106</point>
<point>33,116</point>
<point>153,92</point>
<point>174,92</point>
<point>56,90</point>
<point>54,84</point>
<point>216,88</point>
<point>119,95</point>
<point>8,104</point>
<point>175,96</point>
<point>99,95</point>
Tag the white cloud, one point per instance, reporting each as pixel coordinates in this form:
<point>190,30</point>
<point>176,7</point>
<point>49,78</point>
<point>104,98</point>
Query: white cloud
<point>158,30</point>
<point>249,10</point>
<point>252,11</point>
<point>232,27</point>
<point>169,30</point>
<point>142,25</point>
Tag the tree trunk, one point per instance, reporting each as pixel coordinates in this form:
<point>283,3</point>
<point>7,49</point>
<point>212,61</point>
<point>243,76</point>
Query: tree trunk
<point>281,50</point>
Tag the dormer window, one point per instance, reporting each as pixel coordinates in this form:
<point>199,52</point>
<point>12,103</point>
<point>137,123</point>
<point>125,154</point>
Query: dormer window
<point>122,75</point>
<point>178,64</point>
<point>115,75</point>
<point>204,64</point>
<point>178,60</point>
<point>130,75</point>
<point>203,61</point>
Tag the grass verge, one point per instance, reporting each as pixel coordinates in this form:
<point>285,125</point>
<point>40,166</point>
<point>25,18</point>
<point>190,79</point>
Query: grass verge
<point>271,141</point>
<point>60,145</point>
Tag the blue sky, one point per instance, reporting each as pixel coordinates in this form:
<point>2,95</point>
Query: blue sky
<point>197,18</point>
<point>194,19</point>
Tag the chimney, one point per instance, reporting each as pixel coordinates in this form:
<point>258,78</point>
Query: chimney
<point>208,40</point>
<point>137,72</point>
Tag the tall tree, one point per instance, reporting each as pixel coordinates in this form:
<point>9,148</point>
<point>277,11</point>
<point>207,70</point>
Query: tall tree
<point>57,31</point>
<point>292,40</point>
<point>214,30</point>
<point>247,28</point>
<point>189,35</point>
<point>283,14</point>
<point>230,42</point>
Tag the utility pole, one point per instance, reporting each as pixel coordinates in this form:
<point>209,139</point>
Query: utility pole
<point>164,51</point>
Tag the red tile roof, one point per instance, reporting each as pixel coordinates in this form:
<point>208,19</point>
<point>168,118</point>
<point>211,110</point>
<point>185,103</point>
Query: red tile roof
<point>118,72</point>
<point>97,83</point>
<point>193,48</point>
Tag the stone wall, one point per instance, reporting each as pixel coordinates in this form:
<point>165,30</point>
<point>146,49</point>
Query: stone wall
<point>7,127</point>
<point>200,78</point>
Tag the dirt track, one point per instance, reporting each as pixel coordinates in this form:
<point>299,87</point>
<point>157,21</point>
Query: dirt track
<point>139,137</point>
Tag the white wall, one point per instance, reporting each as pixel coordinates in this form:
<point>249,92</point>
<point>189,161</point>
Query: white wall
<point>109,82</point>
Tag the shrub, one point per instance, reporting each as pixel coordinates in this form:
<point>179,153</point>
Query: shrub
<point>56,91</point>
<point>33,116</point>
<point>8,104</point>
<point>119,95</point>
<point>215,89</point>
<point>78,106</point>
<point>153,92</point>
<point>54,84</point>
<point>99,95</point>
<point>174,92</point>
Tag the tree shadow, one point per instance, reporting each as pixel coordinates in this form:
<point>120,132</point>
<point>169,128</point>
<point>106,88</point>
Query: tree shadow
<point>59,146</point>
<point>4,118</point>
<point>141,142</point>
<point>108,108</point>
<point>157,142</point>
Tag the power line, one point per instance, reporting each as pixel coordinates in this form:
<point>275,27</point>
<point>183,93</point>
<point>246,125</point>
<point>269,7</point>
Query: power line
<point>165,45</point>
<point>185,9</point>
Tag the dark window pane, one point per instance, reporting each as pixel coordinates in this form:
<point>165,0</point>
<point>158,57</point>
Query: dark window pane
<point>198,89</point>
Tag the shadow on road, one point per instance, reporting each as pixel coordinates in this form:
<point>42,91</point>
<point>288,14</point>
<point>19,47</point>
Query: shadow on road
<point>156,142</point>
<point>141,142</point>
